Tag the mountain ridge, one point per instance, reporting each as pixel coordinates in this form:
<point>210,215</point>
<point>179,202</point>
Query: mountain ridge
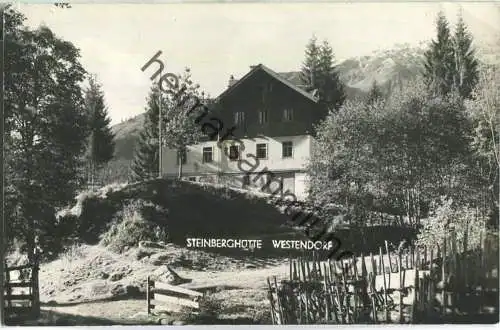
<point>386,67</point>
<point>354,72</point>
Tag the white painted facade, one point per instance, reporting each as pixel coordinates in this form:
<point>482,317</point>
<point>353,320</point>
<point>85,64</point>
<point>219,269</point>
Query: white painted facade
<point>290,169</point>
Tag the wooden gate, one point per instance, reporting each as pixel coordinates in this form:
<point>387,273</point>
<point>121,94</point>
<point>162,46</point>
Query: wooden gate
<point>18,302</point>
<point>166,297</point>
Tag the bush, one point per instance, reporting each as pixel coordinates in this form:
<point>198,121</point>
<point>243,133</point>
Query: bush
<point>209,312</point>
<point>71,253</point>
<point>262,317</point>
<point>130,226</point>
<point>447,217</point>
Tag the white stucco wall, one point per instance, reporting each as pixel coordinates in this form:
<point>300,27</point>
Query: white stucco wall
<point>301,186</point>
<point>221,163</point>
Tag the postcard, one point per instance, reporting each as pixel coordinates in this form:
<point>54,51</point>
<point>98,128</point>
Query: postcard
<point>250,163</point>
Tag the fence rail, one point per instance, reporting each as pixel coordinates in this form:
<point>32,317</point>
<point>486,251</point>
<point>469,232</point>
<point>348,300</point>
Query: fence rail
<point>18,303</point>
<point>164,297</point>
<point>418,286</point>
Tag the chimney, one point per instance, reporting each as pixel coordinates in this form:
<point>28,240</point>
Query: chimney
<point>231,81</point>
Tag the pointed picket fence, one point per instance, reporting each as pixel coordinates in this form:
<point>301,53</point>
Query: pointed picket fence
<point>419,286</point>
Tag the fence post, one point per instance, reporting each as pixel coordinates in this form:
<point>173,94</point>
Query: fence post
<point>327,296</point>
<point>36,291</point>
<point>415,312</point>
<point>278,301</point>
<point>443,275</point>
<point>401,287</point>
<point>455,272</point>
<point>482,269</point>
<point>271,301</point>
<point>388,256</point>
<point>9,288</point>
<point>148,295</point>
<point>374,265</point>
<point>386,311</point>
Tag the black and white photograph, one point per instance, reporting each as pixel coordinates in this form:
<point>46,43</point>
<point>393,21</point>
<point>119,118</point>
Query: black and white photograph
<point>250,163</point>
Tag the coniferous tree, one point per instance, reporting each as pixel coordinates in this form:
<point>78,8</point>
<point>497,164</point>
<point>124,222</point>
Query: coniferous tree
<point>146,158</point>
<point>332,91</point>
<point>101,144</point>
<point>374,94</point>
<point>310,68</point>
<point>466,64</point>
<point>439,66</point>
<point>318,73</point>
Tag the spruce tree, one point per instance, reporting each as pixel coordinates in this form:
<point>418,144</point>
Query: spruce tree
<point>101,144</point>
<point>319,73</point>
<point>332,92</point>
<point>309,74</point>
<point>466,64</point>
<point>375,94</point>
<point>146,158</point>
<point>439,63</point>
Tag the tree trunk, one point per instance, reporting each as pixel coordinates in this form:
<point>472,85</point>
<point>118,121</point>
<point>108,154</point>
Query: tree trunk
<point>91,173</point>
<point>181,161</point>
<point>92,170</point>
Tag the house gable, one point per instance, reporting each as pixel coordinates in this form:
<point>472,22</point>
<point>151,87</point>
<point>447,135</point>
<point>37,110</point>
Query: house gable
<point>260,67</point>
<point>287,109</point>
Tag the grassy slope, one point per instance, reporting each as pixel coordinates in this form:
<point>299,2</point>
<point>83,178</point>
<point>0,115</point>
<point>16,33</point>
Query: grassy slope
<point>192,210</point>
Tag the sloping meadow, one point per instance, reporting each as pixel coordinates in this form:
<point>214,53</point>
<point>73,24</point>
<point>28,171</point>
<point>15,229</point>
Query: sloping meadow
<point>121,216</point>
<point>179,209</point>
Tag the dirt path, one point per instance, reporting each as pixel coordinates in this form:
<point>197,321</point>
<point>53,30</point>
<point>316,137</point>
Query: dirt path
<point>242,279</point>
<point>245,289</point>
<point>132,311</point>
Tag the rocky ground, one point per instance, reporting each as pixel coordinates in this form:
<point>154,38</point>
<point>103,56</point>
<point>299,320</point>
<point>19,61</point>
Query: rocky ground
<point>109,288</point>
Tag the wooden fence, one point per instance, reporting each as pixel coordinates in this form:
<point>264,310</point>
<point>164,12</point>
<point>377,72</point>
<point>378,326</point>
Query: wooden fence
<point>416,286</point>
<point>18,302</point>
<point>166,297</point>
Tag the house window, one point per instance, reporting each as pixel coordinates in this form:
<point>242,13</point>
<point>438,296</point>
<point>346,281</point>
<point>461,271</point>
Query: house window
<point>262,117</point>
<point>234,153</point>
<point>181,155</point>
<point>239,118</point>
<point>287,148</point>
<point>261,150</point>
<point>288,115</point>
<point>208,156</point>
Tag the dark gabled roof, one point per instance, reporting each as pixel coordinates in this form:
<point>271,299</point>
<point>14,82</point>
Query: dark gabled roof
<point>292,81</point>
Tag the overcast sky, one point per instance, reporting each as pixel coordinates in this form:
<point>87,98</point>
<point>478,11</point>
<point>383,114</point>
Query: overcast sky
<point>217,40</point>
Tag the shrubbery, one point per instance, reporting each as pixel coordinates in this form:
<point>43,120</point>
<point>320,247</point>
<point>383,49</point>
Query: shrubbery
<point>447,217</point>
<point>130,226</point>
<point>209,312</point>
